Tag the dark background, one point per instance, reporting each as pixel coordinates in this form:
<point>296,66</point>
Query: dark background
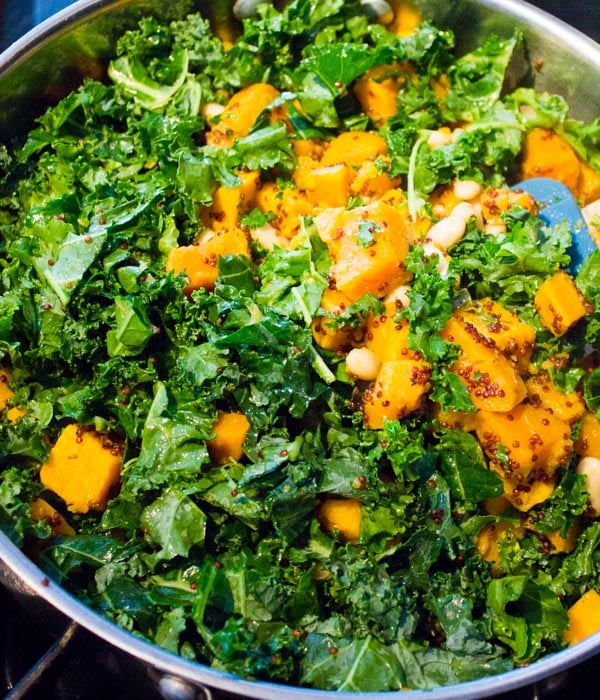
<point>18,16</point>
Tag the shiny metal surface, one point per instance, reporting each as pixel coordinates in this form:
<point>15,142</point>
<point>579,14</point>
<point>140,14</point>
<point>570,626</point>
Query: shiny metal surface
<point>54,57</point>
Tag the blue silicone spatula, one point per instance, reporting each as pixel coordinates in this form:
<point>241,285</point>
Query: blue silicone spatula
<point>557,204</point>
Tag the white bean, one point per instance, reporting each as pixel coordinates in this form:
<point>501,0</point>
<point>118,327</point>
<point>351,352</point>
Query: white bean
<point>438,138</point>
<point>478,212</point>
<point>495,229</point>
<point>466,211</point>
<point>268,237</point>
<point>399,296</point>
<point>590,468</point>
<point>466,190</point>
<point>362,363</point>
<point>206,235</point>
<point>211,110</point>
<point>446,232</point>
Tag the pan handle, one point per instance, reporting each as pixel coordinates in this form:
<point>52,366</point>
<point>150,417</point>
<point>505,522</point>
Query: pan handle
<point>175,688</point>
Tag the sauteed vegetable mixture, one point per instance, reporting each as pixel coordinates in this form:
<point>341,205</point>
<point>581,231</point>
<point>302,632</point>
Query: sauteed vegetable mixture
<point>295,382</point>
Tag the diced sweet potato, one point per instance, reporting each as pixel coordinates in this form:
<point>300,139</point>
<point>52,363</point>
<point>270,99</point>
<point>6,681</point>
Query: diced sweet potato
<point>588,186</point>
<point>354,148</point>
<point>588,440</point>
<point>368,246</point>
<point>440,84</point>
<point>560,544</point>
<point>406,18</point>
<point>369,181</point>
<point>569,407</point>
<point>399,389</point>
<point>199,261</point>
<point>6,394</point>
<point>443,200</point>
<point>546,154</point>
<point>514,338</point>
<point>326,337</point>
<point>554,542</point>
<point>295,206</point>
<point>559,303</point>
<point>497,201</point>
<point>231,430</point>
<point>312,148</point>
<point>269,198</point>
<point>386,337</point>
<point>342,515</point>
<point>230,203</point>
<point>523,496</point>
<point>324,185</point>
<point>377,90</point>
<point>488,538</point>
<point>288,204</point>
<point>417,226</point>
<point>491,379</point>
<point>83,468</point>
<point>42,510</point>
<point>584,617</point>
<point>526,443</point>
<point>455,420</point>
<point>496,505</point>
<point>241,113</point>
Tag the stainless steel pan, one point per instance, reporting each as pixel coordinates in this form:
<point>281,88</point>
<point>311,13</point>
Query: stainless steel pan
<point>53,58</point>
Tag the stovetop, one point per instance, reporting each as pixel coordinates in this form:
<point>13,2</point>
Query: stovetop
<point>75,665</point>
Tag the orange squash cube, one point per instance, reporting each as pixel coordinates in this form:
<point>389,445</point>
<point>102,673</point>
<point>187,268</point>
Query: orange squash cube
<point>588,186</point>
<point>584,617</point>
<point>487,541</point>
<point>241,113</point>
<point>324,185</point>
<point>368,246</point>
<point>377,90</point>
<point>354,148</point>
<point>399,389</point>
<point>526,443</point>
<point>524,495</point>
<point>6,394</point>
<point>588,440</point>
<point>199,261</point>
<point>559,303</point>
<point>230,203</point>
<point>496,201</point>
<point>83,468</point>
<point>231,430</point>
<point>493,382</point>
<point>370,182</point>
<point>42,510</point>
<point>387,338</point>
<point>563,545</point>
<point>342,515</point>
<point>503,328</point>
<point>406,18</point>
<point>326,337</point>
<point>546,154</point>
<point>569,407</point>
